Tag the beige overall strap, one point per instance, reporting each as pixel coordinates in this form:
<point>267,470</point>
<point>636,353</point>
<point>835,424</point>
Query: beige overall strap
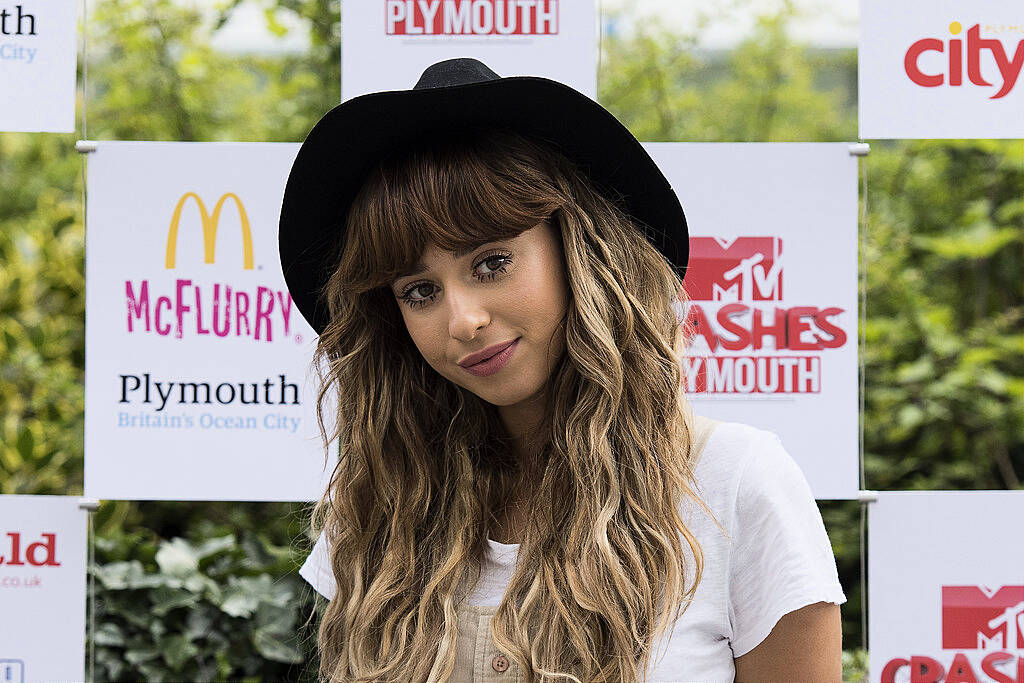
<point>702,428</point>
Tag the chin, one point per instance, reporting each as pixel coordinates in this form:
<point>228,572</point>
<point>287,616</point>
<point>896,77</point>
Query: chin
<point>504,399</point>
<point>498,392</point>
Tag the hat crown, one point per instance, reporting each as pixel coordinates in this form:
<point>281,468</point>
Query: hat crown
<point>459,71</point>
<point>464,93</point>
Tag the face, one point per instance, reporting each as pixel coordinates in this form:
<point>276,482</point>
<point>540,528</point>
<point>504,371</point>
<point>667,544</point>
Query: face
<point>504,291</point>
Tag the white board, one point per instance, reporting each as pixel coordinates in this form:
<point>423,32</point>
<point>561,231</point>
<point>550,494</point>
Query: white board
<point>386,44</point>
<point>946,586</point>
<point>941,69</point>
<point>42,589</point>
<point>772,279</point>
<point>199,384</point>
<point>38,48</point>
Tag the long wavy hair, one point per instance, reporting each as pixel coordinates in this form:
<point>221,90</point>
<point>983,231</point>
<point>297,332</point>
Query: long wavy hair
<point>425,467</point>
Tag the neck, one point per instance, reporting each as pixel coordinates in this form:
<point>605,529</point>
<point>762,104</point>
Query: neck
<point>525,424</point>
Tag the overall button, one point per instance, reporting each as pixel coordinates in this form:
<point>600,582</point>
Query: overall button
<point>499,663</point>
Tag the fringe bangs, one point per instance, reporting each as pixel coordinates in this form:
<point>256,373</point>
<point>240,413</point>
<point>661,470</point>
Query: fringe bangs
<point>455,193</point>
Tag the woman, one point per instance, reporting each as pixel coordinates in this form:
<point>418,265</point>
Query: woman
<point>494,267</point>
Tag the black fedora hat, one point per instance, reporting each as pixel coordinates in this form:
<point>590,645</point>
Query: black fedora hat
<point>343,147</point>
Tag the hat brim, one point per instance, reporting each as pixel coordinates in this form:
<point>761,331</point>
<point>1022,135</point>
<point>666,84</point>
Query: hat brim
<point>342,148</point>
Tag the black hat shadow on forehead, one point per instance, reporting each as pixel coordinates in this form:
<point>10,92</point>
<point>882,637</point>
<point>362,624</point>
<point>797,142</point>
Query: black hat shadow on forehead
<point>450,97</point>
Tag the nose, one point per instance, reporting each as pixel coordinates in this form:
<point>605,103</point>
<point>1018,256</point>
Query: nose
<point>466,313</point>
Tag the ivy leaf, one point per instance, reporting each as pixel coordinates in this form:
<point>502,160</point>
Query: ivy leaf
<point>276,647</point>
<point>200,622</point>
<point>177,650</point>
<point>177,557</point>
<point>213,546</point>
<point>164,599</point>
<point>138,655</point>
<point>243,595</point>
<point>108,633</point>
<point>118,575</point>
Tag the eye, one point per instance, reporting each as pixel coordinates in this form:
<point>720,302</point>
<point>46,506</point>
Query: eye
<point>502,261</point>
<point>410,295</point>
<point>486,268</point>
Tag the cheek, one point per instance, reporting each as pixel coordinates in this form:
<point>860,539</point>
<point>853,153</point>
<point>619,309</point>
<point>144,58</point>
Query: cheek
<point>424,335</point>
<point>543,297</point>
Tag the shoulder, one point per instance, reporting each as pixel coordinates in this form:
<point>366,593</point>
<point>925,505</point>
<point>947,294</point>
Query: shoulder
<point>734,442</point>
<point>779,557</point>
<point>732,449</point>
<point>756,465</point>
<point>749,479</point>
<point>723,479</point>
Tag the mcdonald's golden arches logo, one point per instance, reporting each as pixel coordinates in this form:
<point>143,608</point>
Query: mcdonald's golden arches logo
<point>209,222</point>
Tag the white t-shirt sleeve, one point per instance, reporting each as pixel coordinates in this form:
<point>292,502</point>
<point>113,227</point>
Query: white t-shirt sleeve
<point>316,570</point>
<point>781,558</point>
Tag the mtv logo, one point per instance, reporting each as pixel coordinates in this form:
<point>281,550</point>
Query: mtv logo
<point>12,671</point>
<point>738,269</point>
<point>977,617</point>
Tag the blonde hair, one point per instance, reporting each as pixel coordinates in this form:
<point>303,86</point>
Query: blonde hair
<point>425,465</point>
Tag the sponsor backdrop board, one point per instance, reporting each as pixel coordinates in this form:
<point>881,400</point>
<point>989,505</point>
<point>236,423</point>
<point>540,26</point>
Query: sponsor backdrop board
<point>199,383</point>
<point>946,589</point>
<point>941,69</point>
<point>37,65</point>
<point>772,282</point>
<point>42,589</point>
<point>386,44</point>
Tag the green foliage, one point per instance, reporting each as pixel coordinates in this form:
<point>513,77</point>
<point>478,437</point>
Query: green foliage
<point>664,87</point>
<point>42,316</point>
<point>154,76</point>
<point>945,250</point>
<point>855,666</point>
<point>217,610</point>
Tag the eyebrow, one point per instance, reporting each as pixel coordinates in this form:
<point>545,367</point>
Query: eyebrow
<point>460,253</point>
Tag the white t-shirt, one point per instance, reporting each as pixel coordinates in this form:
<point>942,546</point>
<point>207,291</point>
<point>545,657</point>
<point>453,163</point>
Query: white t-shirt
<point>779,558</point>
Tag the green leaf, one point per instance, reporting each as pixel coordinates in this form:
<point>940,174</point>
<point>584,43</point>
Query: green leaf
<point>213,546</point>
<point>177,650</point>
<point>911,417</point>
<point>177,557</point>
<point>223,664</point>
<point>918,371</point>
<point>26,441</point>
<point>138,655</point>
<point>118,575</point>
<point>243,595</point>
<point>275,619</point>
<point>165,599</point>
<point>981,240</point>
<point>200,622</point>
<point>276,647</point>
<point>199,584</point>
<point>154,672</point>
<point>110,660</point>
<point>157,629</point>
<point>108,633</point>
<point>273,25</point>
<point>10,459</point>
<point>979,356</point>
<point>994,381</point>
<point>125,606</point>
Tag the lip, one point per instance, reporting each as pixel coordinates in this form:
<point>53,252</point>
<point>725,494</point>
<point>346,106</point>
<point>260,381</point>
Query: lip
<point>499,356</point>
<point>474,358</point>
